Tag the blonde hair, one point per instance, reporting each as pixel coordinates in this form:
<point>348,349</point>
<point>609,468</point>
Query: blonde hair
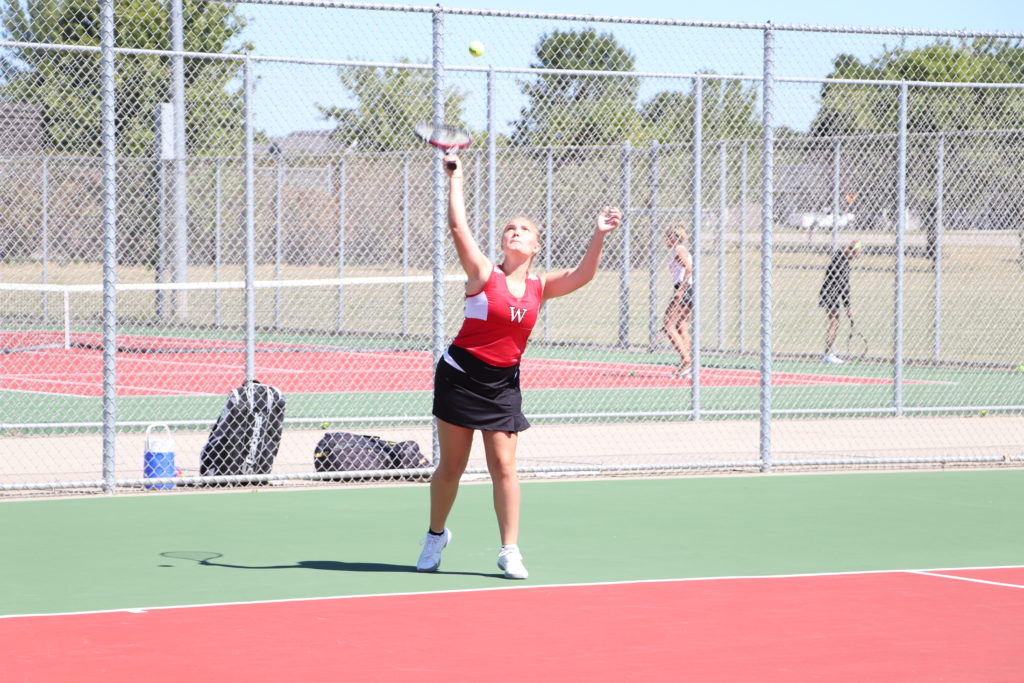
<point>679,232</point>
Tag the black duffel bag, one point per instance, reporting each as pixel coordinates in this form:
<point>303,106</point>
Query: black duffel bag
<point>346,452</point>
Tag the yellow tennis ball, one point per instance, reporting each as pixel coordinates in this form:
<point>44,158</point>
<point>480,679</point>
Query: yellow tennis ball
<point>476,48</point>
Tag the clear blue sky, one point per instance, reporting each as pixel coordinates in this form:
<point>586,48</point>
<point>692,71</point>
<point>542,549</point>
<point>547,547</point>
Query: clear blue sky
<point>983,15</point>
<point>286,96</point>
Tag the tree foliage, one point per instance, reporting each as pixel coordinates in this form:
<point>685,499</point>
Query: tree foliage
<point>848,108</point>
<point>979,129</point>
<point>729,111</point>
<point>66,84</point>
<point>388,102</point>
<point>577,110</point>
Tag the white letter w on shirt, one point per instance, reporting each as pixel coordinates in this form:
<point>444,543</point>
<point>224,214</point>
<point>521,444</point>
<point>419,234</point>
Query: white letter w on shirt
<point>517,313</point>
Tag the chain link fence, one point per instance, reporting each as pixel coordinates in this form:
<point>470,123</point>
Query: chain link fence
<point>276,220</point>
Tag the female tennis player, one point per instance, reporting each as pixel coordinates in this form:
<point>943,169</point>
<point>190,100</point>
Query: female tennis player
<point>476,384</point>
<point>680,307</point>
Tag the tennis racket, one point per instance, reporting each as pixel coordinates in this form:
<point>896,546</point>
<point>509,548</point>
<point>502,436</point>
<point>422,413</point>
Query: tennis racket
<point>856,344</point>
<point>448,138</point>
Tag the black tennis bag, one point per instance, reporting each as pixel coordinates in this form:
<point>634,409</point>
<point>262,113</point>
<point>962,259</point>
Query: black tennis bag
<point>345,452</point>
<point>247,434</point>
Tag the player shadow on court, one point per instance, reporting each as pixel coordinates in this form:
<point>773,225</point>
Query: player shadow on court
<point>206,559</point>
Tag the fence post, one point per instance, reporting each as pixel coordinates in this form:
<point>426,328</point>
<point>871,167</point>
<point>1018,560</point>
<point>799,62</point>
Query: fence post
<point>218,245</point>
<point>440,196</point>
<point>342,236</point>
<point>767,221</point>
<point>743,248</point>
<point>627,179</point>
<point>549,217</point>
<point>109,146</point>
<point>698,212</point>
<point>278,217</point>
<point>722,189</point>
<point>836,159</point>
<point>250,225</point>
<point>44,220</point>
<point>940,181</point>
<point>901,230</point>
<point>179,265</point>
<point>492,171</point>
<point>653,252</point>
<point>163,125</point>
<point>405,243</point>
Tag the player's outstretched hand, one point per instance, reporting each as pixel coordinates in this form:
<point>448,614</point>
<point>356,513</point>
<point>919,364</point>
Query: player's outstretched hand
<point>453,165</point>
<point>609,219</point>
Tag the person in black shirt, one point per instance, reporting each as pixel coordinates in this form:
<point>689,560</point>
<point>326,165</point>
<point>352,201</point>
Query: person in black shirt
<point>835,292</point>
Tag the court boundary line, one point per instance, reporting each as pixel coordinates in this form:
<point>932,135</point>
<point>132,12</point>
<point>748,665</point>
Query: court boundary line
<point>969,579</point>
<point>691,579</point>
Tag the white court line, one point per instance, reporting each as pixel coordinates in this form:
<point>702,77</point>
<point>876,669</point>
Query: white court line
<point>142,610</point>
<point>968,579</point>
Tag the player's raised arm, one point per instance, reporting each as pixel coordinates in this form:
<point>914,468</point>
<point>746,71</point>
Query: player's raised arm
<point>474,262</point>
<point>564,282</point>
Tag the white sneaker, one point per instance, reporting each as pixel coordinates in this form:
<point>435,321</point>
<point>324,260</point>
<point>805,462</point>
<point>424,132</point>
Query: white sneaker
<point>832,359</point>
<point>683,372</point>
<point>430,557</point>
<point>510,561</point>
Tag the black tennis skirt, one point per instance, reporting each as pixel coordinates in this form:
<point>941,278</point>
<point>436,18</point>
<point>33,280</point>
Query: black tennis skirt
<point>482,397</point>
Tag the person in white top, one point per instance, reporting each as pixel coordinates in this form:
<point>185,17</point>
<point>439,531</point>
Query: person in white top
<point>680,307</point>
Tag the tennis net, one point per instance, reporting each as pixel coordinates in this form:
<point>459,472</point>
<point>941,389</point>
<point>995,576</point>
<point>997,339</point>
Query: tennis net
<point>211,317</point>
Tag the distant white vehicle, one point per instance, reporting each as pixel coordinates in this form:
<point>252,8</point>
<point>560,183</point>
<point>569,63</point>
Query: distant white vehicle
<point>821,220</point>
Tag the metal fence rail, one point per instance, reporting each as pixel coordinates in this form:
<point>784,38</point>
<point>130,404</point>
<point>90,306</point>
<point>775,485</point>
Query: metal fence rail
<point>205,178</point>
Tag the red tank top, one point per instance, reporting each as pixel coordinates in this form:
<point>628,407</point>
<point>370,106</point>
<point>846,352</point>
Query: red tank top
<point>497,324</point>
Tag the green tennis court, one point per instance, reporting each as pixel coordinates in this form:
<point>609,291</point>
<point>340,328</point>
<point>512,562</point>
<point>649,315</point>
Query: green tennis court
<point>883,577</point>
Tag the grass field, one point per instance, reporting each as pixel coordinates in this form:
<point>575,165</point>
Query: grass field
<point>982,283</point>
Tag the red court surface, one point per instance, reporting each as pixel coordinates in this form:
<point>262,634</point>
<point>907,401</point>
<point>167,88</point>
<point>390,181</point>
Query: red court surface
<point>879,627</point>
<point>78,372</point>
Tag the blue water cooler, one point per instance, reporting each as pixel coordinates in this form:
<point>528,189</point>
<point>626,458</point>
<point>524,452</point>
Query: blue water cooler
<point>159,458</point>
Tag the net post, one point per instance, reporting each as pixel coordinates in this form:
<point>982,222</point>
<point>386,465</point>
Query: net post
<point>67,318</point>
<point>767,210</point>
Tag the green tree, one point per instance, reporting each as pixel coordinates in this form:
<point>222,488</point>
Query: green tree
<point>980,130</point>
<point>66,84</point>
<point>850,108</point>
<point>729,111</point>
<point>578,110</point>
<point>389,101</point>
